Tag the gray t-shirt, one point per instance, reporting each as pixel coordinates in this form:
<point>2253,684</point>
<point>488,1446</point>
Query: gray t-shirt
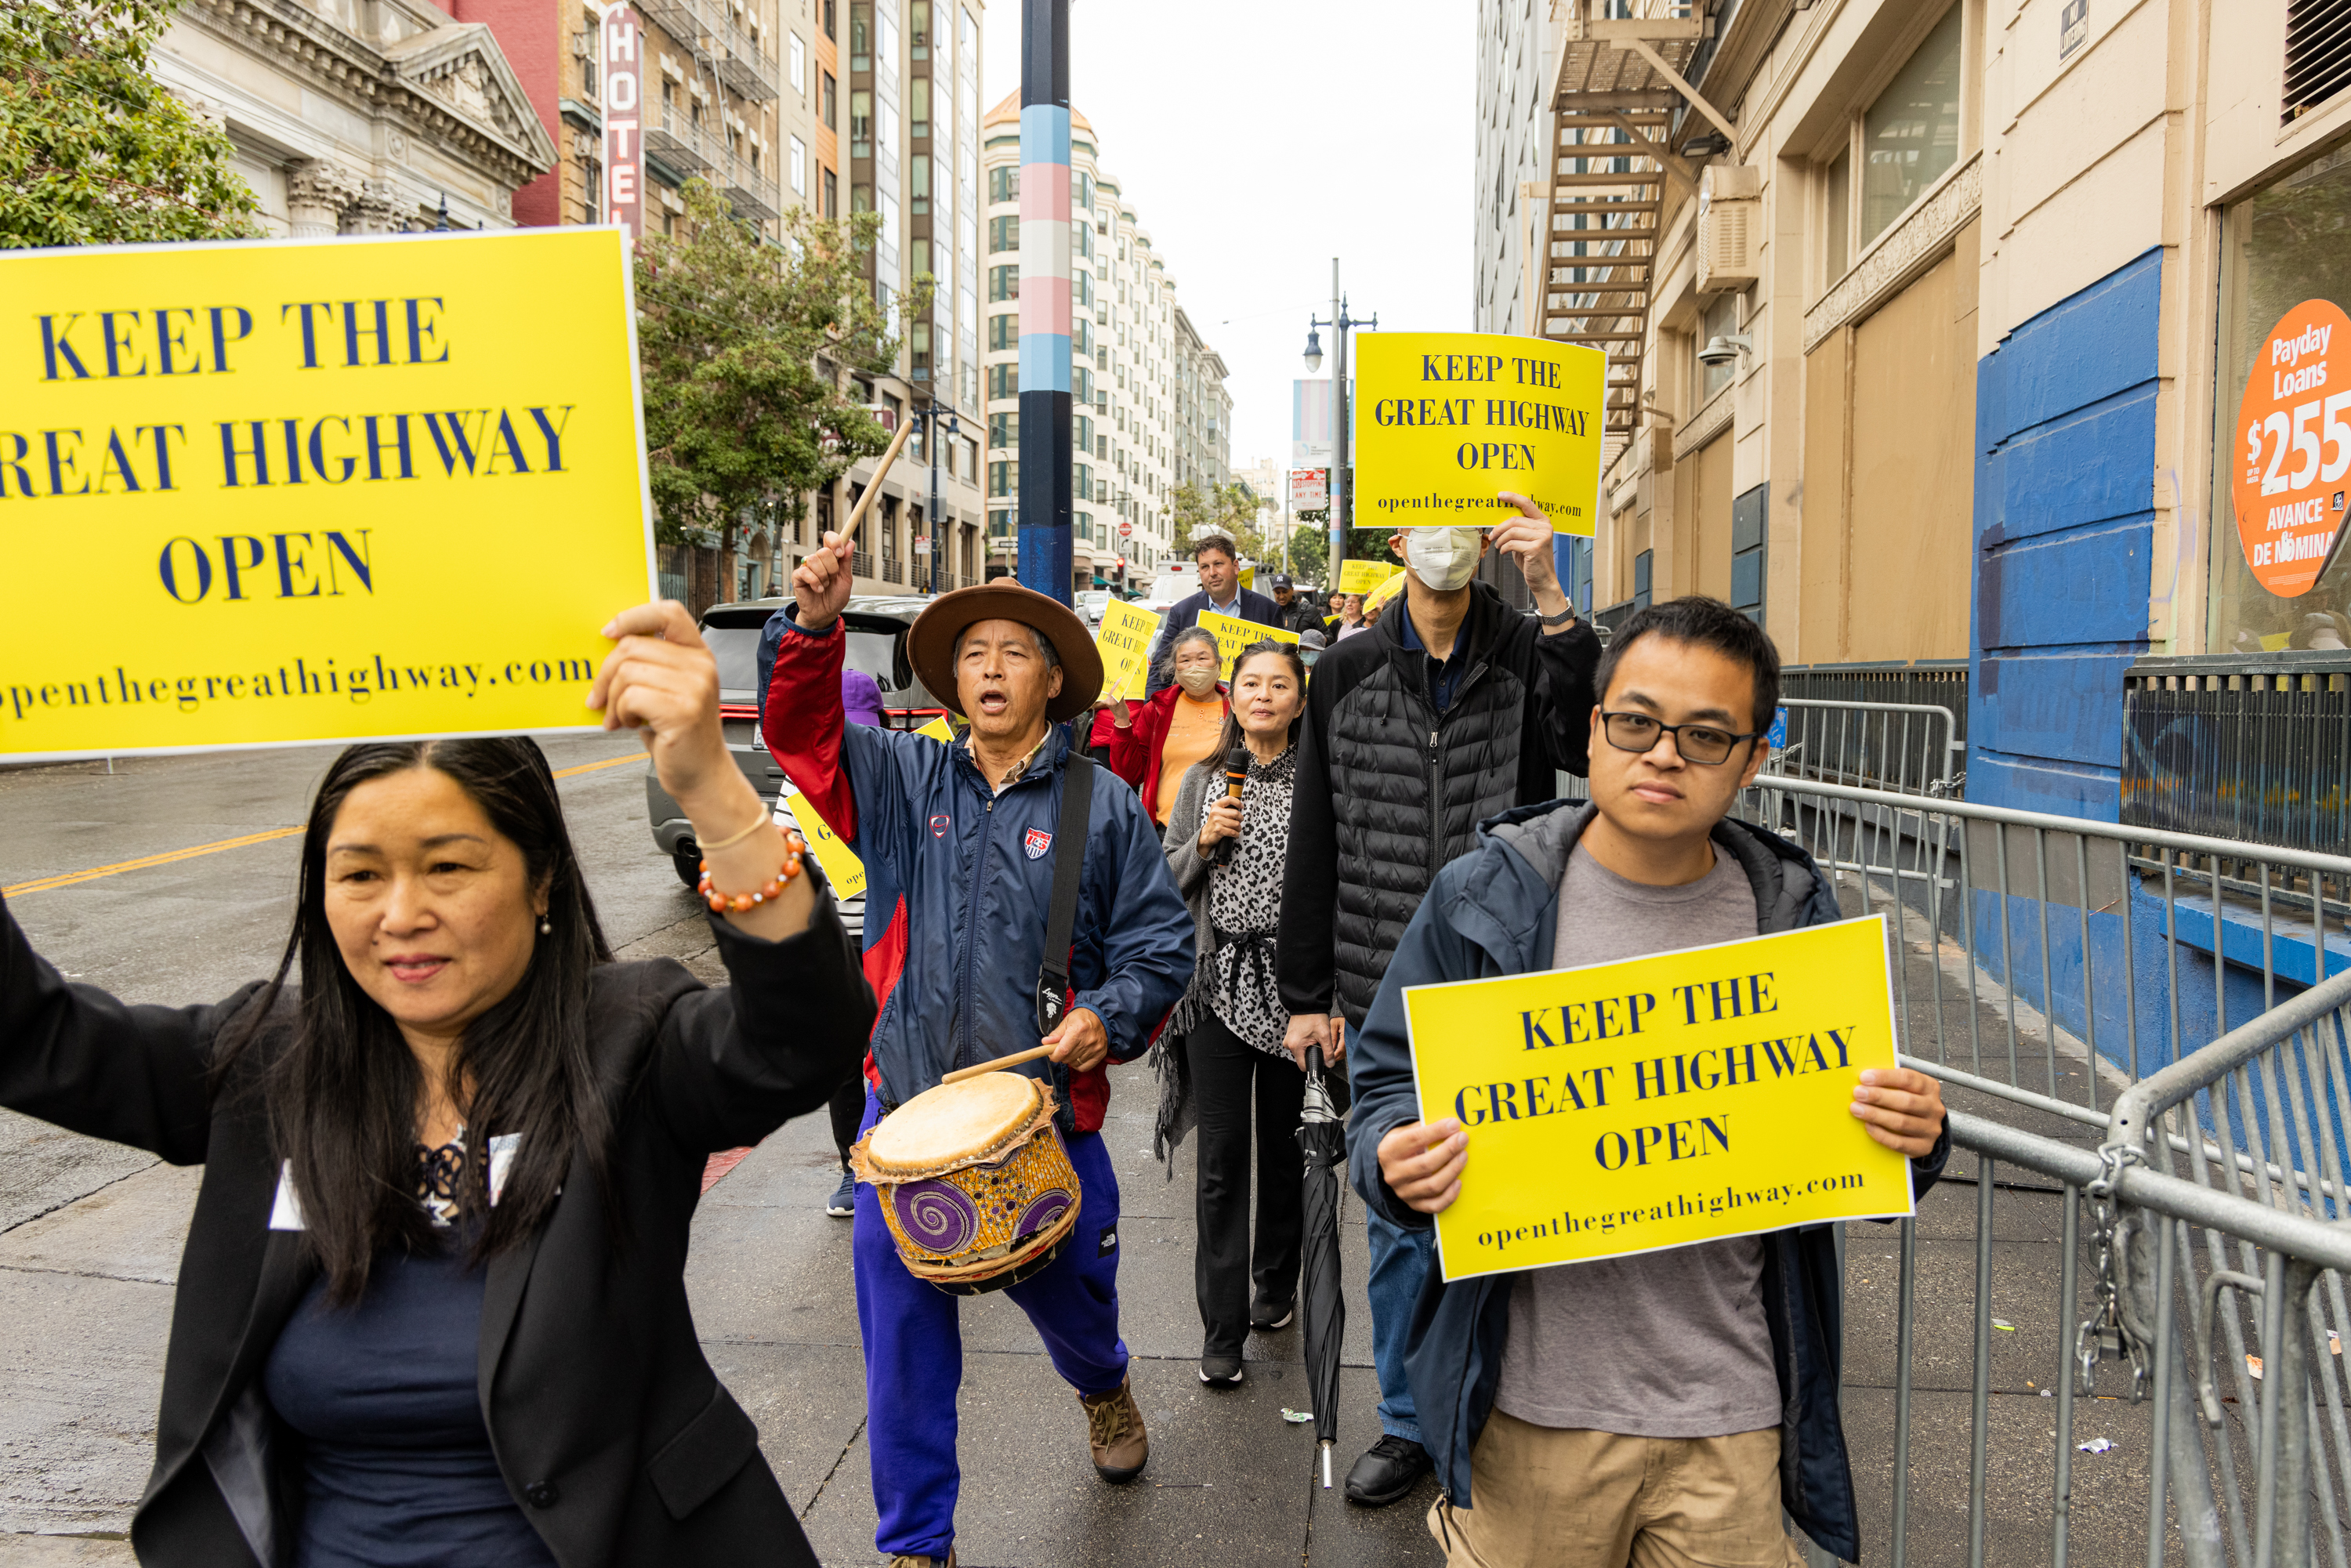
<point>1659,1344</point>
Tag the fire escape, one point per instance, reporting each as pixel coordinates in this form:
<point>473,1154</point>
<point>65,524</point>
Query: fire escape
<point>1620,78</point>
<point>727,55</point>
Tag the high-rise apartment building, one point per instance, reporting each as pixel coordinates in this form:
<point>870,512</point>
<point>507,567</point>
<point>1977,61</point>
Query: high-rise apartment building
<point>1149,406</point>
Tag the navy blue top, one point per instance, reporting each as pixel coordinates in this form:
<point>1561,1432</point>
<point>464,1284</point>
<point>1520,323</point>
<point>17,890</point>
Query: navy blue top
<point>397,1467</point>
<point>1444,675</point>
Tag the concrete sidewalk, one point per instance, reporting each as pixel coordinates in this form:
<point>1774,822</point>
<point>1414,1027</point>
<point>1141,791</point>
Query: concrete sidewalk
<point>85,1297</point>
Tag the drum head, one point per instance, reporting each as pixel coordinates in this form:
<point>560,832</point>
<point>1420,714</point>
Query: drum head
<point>957,1124</point>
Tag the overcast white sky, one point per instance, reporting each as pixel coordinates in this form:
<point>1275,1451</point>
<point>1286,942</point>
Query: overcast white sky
<point>1258,138</point>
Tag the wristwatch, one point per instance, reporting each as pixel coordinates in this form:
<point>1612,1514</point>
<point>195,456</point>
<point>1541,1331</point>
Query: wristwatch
<point>1562,617</point>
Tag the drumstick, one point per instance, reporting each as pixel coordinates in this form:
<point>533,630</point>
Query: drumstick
<point>874,486</point>
<point>1001,1062</point>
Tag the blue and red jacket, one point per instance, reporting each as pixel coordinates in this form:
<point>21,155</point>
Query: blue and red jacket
<point>959,880</point>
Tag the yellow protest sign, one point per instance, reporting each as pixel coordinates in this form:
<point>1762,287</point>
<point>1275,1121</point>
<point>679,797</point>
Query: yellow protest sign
<point>1446,421</point>
<point>1124,642</point>
<point>1363,576</point>
<point>940,730</point>
<point>842,869</point>
<point>314,491</point>
<point>1386,591</point>
<point>1233,634</point>
<point>1629,1107</point>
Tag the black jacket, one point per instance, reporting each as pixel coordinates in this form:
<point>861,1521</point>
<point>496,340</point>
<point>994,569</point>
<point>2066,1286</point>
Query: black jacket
<point>614,1435</point>
<point>1186,613</point>
<point>1496,912</point>
<point>1388,789</point>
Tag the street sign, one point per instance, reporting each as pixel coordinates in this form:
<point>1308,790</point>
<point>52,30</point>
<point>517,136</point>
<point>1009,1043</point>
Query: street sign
<point>1125,530</point>
<point>1310,488</point>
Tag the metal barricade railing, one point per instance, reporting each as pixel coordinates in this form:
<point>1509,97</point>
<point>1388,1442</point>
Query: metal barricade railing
<point>2037,953</point>
<point>1910,749</point>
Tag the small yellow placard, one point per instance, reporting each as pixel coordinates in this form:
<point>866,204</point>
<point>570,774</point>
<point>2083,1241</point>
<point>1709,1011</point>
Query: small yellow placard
<point>1363,576</point>
<point>1651,1104</point>
<point>842,869</point>
<point>1234,635</point>
<point>263,494</point>
<point>940,730</point>
<point>1445,422</point>
<point>1124,641</point>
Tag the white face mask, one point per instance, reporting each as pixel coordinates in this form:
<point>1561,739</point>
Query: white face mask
<point>1443,558</point>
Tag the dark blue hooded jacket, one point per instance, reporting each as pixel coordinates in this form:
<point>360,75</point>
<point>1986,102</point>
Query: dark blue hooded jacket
<point>1493,911</point>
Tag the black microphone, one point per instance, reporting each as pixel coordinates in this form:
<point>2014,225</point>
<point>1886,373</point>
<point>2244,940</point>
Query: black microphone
<point>1236,763</point>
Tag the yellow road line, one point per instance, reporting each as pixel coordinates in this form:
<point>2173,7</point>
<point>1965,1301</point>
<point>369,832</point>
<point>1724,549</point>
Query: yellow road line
<point>66,879</point>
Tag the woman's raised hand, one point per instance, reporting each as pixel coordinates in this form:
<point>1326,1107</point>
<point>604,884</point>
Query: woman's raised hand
<point>1224,821</point>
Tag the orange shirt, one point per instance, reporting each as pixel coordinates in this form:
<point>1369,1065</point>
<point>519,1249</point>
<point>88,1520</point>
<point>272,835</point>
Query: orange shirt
<point>1192,730</point>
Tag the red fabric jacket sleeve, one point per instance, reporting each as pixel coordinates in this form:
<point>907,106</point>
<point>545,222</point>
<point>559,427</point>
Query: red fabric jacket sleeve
<point>1131,749</point>
<point>801,722</point>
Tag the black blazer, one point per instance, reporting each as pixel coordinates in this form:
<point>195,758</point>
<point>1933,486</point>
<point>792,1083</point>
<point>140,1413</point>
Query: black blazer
<point>615,1436</point>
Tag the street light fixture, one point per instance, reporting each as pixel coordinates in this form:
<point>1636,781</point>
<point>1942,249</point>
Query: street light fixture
<point>1313,351</point>
<point>1341,324</point>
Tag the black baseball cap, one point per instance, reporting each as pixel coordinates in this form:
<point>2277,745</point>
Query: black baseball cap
<point>1281,579</point>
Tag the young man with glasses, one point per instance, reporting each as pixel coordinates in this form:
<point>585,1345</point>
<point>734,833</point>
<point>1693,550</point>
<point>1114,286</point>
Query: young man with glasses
<point>1666,1406</point>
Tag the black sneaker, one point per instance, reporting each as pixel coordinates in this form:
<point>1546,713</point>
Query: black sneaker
<point>1388,1472</point>
<point>1221,1371</point>
<point>843,1204</point>
<point>1268,1317</point>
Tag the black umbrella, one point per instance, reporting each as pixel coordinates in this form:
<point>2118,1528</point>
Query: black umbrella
<point>1325,1142</point>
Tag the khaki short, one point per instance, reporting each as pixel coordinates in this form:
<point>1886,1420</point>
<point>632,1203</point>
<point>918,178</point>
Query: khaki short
<point>1548,1498</point>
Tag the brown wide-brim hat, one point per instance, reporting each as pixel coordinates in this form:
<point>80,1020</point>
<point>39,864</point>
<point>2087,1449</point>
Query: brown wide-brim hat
<point>931,642</point>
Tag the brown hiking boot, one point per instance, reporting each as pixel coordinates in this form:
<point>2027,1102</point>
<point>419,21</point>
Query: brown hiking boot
<point>1114,1431</point>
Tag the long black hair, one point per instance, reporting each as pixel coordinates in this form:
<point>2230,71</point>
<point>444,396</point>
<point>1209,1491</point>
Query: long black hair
<point>1231,735</point>
<point>342,1092</point>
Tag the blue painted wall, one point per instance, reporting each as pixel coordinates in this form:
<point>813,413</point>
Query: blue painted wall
<point>2064,532</point>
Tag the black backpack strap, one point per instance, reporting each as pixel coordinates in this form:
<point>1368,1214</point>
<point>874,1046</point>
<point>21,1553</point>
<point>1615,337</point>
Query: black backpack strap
<point>1069,864</point>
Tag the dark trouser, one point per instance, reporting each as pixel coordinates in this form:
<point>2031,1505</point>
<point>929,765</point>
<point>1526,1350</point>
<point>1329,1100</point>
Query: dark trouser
<point>848,1109</point>
<point>1237,1086</point>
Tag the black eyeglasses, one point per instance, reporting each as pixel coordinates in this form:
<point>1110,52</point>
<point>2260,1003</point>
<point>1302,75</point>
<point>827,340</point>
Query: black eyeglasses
<point>1702,744</point>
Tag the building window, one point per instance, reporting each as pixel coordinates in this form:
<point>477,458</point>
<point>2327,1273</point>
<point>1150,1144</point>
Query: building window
<point>1003,283</point>
<point>1004,233</point>
<point>1836,199</point>
<point>796,65</point>
<point>1910,136</point>
<point>860,35</point>
<point>1641,580</point>
<point>918,188</point>
<point>918,101</point>
<point>999,525</point>
<point>1004,331</point>
<point>1004,477</point>
<point>1004,431</point>
<point>1003,380</point>
<point>831,194</point>
<point>1082,481</point>
<point>918,336</point>
<point>918,36</point>
<point>860,124</point>
<point>1747,557</point>
<point>829,102</point>
<point>797,166</point>
<point>1003,184</point>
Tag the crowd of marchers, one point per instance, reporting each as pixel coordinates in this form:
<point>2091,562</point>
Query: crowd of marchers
<point>433,1311</point>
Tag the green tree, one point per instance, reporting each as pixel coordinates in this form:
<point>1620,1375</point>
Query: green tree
<point>93,150</point>
<point>1310,553</point>
<point>1228,509</point>
<point>747,353</point>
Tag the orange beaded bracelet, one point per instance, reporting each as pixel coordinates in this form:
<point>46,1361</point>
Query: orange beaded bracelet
<point>795,847</point>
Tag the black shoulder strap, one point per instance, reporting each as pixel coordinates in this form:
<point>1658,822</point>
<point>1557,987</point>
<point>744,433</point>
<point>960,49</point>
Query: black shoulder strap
<point>1069,863</point>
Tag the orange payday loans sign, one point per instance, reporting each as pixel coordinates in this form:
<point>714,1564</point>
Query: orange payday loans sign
<point>279,493</point>
<point>2292,474</point>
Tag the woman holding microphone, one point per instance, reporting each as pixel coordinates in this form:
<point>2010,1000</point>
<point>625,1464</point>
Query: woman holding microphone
<point>431,1307</point>
<point>1227,855</point>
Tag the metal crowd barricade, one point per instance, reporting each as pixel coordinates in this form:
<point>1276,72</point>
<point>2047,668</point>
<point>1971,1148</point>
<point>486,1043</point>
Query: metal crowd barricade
<point>1910,749</point>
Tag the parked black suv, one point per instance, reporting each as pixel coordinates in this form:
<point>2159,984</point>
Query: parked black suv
<point>877,645</point>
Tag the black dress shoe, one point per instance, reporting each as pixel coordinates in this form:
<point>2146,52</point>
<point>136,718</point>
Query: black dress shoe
<point>1388,1472</point>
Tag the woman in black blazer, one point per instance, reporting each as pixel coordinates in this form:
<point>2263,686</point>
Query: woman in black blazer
<point>432,1308</point>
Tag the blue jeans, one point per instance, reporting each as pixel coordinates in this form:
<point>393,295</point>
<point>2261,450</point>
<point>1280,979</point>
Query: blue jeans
<point>1399,1263</point>
<point>914,1349</point>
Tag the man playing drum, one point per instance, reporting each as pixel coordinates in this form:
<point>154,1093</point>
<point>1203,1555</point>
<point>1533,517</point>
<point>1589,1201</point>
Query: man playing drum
<point>960,846</point>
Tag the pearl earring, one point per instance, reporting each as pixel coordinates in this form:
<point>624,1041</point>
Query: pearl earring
<point>546,926</point>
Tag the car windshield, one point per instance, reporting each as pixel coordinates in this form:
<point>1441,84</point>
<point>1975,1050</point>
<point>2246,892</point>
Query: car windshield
<point>877,653</point>
<point>737,648</point>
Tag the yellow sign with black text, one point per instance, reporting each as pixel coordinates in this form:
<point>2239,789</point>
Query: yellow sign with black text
<point>1234,635</point>
<point>1658,1102</point>
<point>842,869</point>
<point>266,494</point>
<point>1445,422</point>
<point>1124,642</point>
<point>1363,576</point>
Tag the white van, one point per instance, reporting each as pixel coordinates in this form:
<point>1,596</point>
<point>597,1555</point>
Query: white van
<point>1176,580</point>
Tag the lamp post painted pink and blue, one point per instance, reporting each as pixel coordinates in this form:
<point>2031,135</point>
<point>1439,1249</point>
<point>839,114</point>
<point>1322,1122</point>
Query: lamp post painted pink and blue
<point>1045,243</point>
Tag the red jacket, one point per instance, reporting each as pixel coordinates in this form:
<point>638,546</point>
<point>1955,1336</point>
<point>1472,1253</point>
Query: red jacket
<point>1135,750</point>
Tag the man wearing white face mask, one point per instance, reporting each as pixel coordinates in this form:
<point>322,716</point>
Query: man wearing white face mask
<point>1455,706</point>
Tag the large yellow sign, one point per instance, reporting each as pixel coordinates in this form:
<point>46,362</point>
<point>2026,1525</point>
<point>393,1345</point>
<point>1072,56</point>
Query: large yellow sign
<point>1445,422</point>
<point>1651,1104</point>
<point>1234,635</point>
<point>1363,576</point>
<point>1124,642</point>
<point>264,494</point>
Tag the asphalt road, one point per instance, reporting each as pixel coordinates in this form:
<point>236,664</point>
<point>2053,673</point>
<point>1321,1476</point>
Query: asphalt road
<point>91,1236</point>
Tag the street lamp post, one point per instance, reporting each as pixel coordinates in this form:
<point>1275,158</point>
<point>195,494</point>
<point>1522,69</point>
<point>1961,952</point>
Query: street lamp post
<point>936,422</point>
<point>1342,493</point>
